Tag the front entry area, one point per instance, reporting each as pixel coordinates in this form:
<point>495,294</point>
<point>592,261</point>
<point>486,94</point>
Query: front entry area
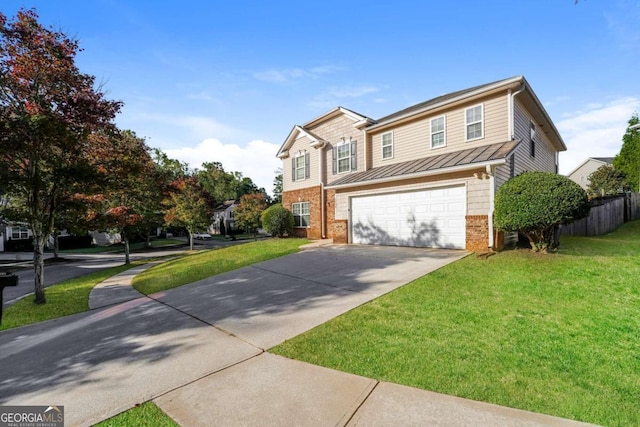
<point>432,218</point>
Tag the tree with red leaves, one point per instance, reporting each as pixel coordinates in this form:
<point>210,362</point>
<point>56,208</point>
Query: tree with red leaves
<point>48,111</point>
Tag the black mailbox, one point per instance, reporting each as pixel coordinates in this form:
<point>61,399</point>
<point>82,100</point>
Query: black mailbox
<point>8,280</point>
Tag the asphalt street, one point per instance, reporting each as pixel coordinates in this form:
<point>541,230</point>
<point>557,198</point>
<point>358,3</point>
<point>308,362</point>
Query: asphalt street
<point>72,265</point>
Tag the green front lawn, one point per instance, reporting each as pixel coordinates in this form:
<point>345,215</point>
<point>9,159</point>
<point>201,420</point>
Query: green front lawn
<point>211,262</point>
<point>146,415</point>
<point>557,334</point>
<point>63,299</point>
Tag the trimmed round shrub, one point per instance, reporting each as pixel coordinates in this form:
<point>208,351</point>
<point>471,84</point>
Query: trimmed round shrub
<point>535,203</point>
<point>277,221</point>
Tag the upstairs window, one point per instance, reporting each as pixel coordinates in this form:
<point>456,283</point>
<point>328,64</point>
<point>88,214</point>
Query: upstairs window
<point>474,122</point>
<point>387,145</point>
<point>438,137</point>
<point>344,156</point>
<point>300,167</point>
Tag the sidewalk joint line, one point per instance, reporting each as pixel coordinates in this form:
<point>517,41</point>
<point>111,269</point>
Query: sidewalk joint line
<point>375,386</point>
<point>208,374</point>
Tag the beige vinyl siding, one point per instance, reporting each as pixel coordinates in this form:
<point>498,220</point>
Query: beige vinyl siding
<point>503,173</point>
<point>412,140</point>
<point>333,131</point>
<point>301,144</point>
<point>477,191</point>
<point>545,158</point>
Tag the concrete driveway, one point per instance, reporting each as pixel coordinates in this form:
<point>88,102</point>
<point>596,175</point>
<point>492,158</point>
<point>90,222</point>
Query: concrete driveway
<point>272,301</point>
<point>100,363</point>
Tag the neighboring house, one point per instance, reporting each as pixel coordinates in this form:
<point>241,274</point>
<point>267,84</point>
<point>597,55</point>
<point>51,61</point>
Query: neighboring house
<point>223,217</point>
<point>16,232</point>
<point>423,176</point>
<point>581,174</point>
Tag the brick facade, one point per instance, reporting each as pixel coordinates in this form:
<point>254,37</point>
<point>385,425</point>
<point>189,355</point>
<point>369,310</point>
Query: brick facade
<point>477,238</point>
<point>312,195</point>
<point>340,231</point>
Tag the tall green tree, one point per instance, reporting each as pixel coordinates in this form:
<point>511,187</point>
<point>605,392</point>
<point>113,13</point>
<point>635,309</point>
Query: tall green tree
<point>605,181</point>
<point>189,205</point>
<point>627,160</point>
<point>48,110</point>
<point>248,213</point>
<point>277,186</point>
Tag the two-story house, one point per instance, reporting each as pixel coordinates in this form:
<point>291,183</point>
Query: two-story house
<point>423,176</point>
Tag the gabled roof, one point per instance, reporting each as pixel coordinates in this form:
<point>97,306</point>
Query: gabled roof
<point>359,121</point>
<point>603,160</point>
<point>438,164</point>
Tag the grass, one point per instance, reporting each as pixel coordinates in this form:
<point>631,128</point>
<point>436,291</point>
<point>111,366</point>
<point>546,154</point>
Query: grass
<point>557,334</point>
<point>63,299</point>
<point>204,264</point>
<point>145,415</point>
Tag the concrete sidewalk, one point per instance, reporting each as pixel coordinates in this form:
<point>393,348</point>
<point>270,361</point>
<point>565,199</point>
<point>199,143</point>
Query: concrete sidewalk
<point>270,390</point>
<point>198,350</point>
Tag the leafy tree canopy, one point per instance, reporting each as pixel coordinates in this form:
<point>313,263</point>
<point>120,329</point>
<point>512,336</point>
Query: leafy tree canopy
<point>627,160</point>
<point>247,214</point>
<point>48,112</point>
<point>534,203</point>
<point>605,181</point>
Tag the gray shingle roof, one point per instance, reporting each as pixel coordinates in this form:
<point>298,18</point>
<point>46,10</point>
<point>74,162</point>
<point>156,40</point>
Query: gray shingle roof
<point>441,162</point>
<point>604,159</point>
<point>438,100</point>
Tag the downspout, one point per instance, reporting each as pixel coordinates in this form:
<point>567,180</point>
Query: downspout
<point>490,169</point>
<point>511,101</point>
<point>492,193</point>
<point>323,233</point>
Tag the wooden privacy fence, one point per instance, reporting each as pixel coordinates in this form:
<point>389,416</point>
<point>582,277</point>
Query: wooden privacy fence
<point>606,215</point>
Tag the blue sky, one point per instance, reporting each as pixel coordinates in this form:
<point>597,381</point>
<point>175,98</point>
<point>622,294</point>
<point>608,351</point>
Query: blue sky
<point>226,81</point>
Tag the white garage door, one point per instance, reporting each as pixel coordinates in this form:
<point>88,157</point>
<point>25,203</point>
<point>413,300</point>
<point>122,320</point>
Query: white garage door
<point>427,218</point>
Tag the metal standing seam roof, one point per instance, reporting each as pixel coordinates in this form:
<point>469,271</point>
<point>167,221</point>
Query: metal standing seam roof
<point>439,162</point>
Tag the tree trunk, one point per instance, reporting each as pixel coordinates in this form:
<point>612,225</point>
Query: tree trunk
<point>148,240</point>
<point>190,241</point>
<point>56,245</point>
<point>127,258</point>
<point>38,268</point>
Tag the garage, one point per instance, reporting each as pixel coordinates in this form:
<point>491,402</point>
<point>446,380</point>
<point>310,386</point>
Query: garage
<point>433,218</point>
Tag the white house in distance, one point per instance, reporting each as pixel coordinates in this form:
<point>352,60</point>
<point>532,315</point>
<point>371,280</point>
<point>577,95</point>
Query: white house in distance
<point>580,175</point>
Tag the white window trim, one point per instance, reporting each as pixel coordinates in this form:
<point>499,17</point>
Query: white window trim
<point>443,131</point>
<point>300,214</point>
<point>382,146</point>
<point>304,167</point>
<point>481,121</point>
<point>348,144</point>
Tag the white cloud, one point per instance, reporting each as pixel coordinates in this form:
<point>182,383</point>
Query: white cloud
<point>257,160</point>
<point>595,131</point>
<point>333,95</point>
<point>287,75</point>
